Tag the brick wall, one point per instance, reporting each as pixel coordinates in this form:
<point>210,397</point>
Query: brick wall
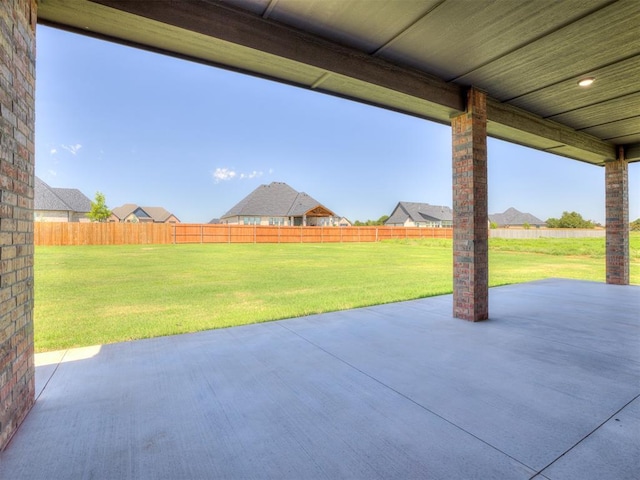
<point>17,117</point>
<point>470,211</point>
<point>617,213</point>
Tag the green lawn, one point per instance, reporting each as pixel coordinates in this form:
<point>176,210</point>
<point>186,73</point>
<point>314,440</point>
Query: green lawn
<point>103,294</point>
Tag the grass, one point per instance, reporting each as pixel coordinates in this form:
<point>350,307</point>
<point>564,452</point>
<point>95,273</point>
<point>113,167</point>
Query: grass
<point>104,294</point>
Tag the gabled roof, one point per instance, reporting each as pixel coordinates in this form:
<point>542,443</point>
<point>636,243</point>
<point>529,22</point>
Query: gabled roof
<point>511,216</point>
<point>419,212</point>
<point>59,199</point>
<point>124,210</point>
<point>277,200</point>
<point>157,214</point>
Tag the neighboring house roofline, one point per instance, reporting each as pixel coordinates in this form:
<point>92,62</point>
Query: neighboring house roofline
<point>511,216</point>
<point>47,198</point>
<point>419,212</point>
<point>277,199</point>
<point>124,211</point>
<point>156,214</point>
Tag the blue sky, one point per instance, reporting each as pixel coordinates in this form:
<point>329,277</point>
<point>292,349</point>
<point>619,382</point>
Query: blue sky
<point>157,131</point>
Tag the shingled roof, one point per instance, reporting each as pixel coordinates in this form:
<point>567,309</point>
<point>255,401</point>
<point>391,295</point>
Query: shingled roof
<point>419,212</point>
<point>275,200</point>
<point>511,216</point>
<point>157,214</point>
<point>59,199</point>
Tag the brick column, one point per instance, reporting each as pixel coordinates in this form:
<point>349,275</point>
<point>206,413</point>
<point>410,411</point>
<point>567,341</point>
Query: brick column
<point>470,215</point>
<point>617,213</point>
<point>17,122</point>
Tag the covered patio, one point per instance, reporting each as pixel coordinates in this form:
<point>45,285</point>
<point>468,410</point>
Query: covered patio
<point>549,388</point>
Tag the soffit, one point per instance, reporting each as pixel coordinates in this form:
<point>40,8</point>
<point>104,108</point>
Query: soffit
<point>415,56</point>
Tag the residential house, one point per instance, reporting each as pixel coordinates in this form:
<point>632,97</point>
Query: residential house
<point>514,218</point>
<point>132,213</point>
<point>59,204</point>
<point>279,204</point>
<point>413,214</point>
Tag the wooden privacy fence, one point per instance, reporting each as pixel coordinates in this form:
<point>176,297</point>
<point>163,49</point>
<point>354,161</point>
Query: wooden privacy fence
<point>74,233</point>
<point>547,233</point>
<point>147,233</point>
<point>190,233</point>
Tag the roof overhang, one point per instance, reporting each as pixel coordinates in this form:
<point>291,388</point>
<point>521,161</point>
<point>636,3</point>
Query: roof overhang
<point>319,211</point>
<point>220,34</point>
<point>430,218</point>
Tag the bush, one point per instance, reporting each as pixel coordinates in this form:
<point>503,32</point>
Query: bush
<point>570,220</point>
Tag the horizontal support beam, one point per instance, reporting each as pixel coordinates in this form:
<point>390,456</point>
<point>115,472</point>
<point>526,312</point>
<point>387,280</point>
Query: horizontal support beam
<point>273,50</point>
<point>598,150</point>
<point>632,152</point>
<point>248,30</point>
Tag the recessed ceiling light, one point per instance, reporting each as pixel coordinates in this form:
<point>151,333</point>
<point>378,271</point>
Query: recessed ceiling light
<point>585,82</point>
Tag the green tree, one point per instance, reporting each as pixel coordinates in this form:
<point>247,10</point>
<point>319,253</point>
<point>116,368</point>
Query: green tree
<point>635,225</point>
<point>370,223</point>
<point>99,211</point>
<point>570,220</point>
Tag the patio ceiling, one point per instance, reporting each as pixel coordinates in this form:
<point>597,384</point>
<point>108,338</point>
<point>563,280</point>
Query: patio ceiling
<point>414,56</point>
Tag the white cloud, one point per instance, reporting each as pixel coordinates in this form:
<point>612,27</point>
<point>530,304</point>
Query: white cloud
<point>253,174</point>
<point>223,174</point>
<point>226,174</point>
<point>73,149</point>
<point>53,173</point>
<point>53,151</point>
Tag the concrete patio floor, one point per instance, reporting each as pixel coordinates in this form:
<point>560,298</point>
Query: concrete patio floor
<point>548,388</point>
